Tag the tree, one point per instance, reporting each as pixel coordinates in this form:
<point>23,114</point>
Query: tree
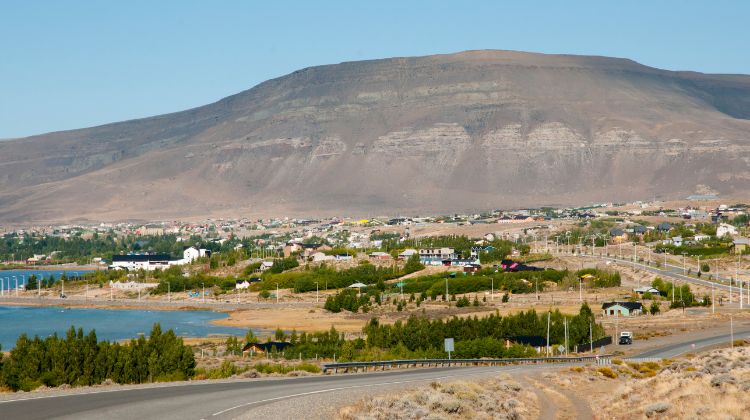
<point>655,308</point>
<point>250,337</point>
<point>413,264</point>
<point>31,284</point>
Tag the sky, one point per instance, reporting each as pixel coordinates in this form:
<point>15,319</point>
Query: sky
<point>68,64</point>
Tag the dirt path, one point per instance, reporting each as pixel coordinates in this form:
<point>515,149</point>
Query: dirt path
<point>556,402</point>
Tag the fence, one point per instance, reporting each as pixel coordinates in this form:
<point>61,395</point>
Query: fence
<point>399,364</point>
<point>604,341</point>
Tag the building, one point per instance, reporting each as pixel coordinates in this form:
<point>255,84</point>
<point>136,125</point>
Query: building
<point>740,246</point>
<point>407,254</point>
<point>622,308</point>
<point>645,289</point>
<point>618,235</point>
<point>304,250</point>
<point>192,253</point>
<point>725,229</point>
<point>261,348</point>
<point>380,256</point>
<point>148,262</point>
<point>436,256</point>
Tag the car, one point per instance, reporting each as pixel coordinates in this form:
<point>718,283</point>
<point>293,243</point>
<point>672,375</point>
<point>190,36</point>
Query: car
<point>626,338</point>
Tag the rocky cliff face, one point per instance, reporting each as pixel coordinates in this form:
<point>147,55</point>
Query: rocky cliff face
<point>441,133</point>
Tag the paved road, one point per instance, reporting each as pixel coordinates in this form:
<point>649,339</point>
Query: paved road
<point>227,399</point>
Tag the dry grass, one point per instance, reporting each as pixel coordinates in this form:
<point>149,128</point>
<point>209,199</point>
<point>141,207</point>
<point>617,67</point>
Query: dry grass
<point>496,399</point>
<point>710,386</point>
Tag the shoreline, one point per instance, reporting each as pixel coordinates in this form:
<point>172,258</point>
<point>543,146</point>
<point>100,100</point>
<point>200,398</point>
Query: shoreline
<point>61,267</point>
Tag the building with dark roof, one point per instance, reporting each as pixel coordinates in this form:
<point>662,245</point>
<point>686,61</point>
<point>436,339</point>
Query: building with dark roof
<point>622,308</point>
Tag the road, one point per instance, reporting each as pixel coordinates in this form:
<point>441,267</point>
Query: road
<point>676,273</point>
<point>228,399</point>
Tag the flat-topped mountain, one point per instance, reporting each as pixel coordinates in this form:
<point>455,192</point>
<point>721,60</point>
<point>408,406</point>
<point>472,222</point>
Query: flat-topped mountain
<point>471,130</point>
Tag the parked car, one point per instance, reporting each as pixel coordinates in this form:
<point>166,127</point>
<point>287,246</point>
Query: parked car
<point>626,337</point>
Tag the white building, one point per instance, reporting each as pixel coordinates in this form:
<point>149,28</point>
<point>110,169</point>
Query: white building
<point>725,229</point>
<point>191,254</point>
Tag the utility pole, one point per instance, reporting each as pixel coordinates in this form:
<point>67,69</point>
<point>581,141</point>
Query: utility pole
<point>591,337</point>
<point>316,292</point>
<point>731,331</point>
<point>547,350</point>
<point>713,298</point>
<point>565,325</point>
<point>277,292</point>
<point>580,290</point>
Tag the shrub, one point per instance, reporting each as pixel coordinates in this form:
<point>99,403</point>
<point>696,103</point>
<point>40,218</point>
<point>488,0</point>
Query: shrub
<point>609,373</point>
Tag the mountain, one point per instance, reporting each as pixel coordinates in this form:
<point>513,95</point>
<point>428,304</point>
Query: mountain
<point>472,130</point>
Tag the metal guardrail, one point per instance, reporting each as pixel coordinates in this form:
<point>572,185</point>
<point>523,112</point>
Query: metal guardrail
<point>413,363</point>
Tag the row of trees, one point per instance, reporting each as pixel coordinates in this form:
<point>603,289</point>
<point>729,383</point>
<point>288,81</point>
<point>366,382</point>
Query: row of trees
<point>420,337</point>
<point>422,333</point>
<point>80,359</point>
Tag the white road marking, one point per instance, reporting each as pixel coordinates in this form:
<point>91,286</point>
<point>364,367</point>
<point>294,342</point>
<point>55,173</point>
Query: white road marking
<point>320,391</point>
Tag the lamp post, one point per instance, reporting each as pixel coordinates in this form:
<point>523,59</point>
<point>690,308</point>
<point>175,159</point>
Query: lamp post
<point>16,279</point>
<point>169,293</point>
<point>203,296</point>
<point>316,293</point>
<point>277,292</point>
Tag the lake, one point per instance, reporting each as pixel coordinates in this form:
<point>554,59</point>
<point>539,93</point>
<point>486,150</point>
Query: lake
<point>110,324</point>
<point>9,277</point>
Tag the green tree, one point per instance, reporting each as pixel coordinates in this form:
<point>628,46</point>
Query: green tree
<point>655,308</point>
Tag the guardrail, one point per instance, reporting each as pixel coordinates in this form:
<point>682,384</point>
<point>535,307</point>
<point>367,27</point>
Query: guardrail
<point>348,367</point>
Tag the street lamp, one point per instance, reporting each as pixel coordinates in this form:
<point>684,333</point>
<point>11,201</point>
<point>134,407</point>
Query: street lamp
<point>316,292</point>
<point>277,292</point>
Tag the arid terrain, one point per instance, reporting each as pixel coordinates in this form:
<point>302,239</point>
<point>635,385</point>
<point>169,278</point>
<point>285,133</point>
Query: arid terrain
<point>711,385</point>
<point>472,130</point>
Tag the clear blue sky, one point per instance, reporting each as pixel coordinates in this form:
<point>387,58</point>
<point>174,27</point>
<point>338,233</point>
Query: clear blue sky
<point>71,64</point>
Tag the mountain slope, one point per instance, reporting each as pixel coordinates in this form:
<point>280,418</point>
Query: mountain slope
<point>471,130</point>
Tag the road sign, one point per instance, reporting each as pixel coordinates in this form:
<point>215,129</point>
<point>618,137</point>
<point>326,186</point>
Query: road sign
<point>400,284</point>
<point>448,346</point>
<point>560,348</point>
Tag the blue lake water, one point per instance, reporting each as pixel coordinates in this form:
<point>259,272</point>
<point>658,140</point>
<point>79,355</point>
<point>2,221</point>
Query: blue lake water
<point>109,324</point>
<point>9,277</point>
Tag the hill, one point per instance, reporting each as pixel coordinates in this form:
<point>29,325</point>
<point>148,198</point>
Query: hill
<point>471,130</point>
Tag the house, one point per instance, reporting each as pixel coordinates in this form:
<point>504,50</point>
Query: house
<point>622,308</point>
<point>343,257</point>
<point>241,284</point>
<point>472,268</point>
<point>380,256</point>
<point>639,229</point>
<point>262,348</point>
<point>677,240</point>
<point>701,237</point>
<point>265,265</point>
<point>407,254</point>
<point>725,229</point>
<point>309,249</point>
<point>320,256</point>
<point>192,253</point>
<point>618,235</point>
<point>740,245</point>
<point>645,289</point>
<point>664,227</point>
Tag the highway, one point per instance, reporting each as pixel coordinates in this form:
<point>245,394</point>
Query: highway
<point>228,399</point>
